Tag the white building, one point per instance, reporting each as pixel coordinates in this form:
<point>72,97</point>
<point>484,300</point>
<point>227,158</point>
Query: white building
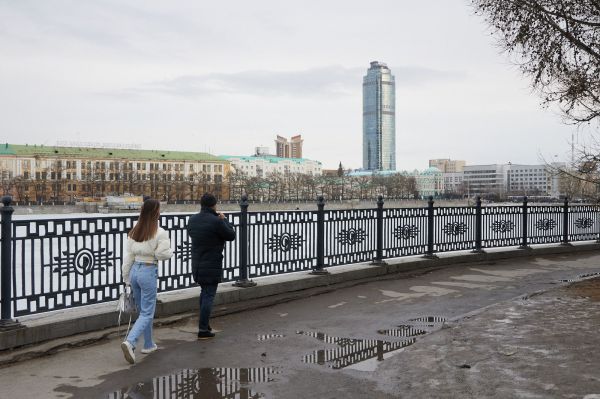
<point>485,179</point>
<point>262,166</point>
<point>453,183</point>
<point>532,180</point>
<point>430,182</point>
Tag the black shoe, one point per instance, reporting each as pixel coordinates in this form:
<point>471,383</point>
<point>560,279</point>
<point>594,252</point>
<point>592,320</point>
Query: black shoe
<point>205,335</point>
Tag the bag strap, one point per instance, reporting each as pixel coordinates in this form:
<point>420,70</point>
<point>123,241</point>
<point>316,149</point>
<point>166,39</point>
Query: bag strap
<point>119,321</point>
<point>119,325</point>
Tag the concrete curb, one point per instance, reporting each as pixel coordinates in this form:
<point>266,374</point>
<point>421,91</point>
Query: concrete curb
<point>97,322</point>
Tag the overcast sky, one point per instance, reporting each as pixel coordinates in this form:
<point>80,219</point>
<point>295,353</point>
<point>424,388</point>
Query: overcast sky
<point>225,77</point>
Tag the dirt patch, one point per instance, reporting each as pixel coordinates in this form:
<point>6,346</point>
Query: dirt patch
<point>587,289</point>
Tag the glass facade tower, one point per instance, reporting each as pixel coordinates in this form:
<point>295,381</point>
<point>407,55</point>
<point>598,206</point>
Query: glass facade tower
<point>379,118</point>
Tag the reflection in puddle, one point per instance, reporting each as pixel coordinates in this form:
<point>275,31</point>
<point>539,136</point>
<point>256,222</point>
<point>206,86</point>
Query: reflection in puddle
<point>403,331</point>
<point>208,383</point>
<point>432,320</point>
<point>268,337</point>
<point>351,351</point>
<point>415,327</point>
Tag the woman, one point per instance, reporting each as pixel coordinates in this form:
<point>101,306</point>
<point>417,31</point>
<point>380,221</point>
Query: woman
<point>147,243</point>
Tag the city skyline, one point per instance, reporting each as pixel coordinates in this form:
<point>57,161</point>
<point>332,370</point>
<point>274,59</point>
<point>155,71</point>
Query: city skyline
<point>202,77</point>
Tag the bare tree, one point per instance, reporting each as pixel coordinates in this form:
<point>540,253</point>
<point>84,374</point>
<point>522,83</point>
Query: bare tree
<point>556,44</point>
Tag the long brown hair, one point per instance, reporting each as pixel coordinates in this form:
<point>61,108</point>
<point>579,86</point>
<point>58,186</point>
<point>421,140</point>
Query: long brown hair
<point>147,224</point>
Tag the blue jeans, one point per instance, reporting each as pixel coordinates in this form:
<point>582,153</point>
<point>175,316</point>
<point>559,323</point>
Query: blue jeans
<point>207,296</point>
<point>143,280</point>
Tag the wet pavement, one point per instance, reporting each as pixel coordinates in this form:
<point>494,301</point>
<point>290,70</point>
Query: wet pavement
<point>510,329</point>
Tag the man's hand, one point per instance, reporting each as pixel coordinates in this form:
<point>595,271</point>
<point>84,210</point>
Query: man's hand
<point>221,216</point>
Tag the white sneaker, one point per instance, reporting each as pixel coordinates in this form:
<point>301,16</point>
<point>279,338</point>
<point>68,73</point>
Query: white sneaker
<point>128,352</point>
<point>149,350</point>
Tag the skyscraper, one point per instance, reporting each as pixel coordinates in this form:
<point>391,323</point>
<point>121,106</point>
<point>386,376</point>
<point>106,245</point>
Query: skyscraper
<point>379,118</point>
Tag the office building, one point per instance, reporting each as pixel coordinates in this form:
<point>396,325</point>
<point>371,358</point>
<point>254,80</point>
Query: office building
<point>485,179</point>
<point>533,180</point>
<point>453,183</point>
<point>379,118</point>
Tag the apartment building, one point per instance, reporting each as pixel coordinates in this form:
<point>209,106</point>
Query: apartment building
<point>289,149</point>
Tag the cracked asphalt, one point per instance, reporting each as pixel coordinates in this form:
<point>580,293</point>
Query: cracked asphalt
<point>507,329</point>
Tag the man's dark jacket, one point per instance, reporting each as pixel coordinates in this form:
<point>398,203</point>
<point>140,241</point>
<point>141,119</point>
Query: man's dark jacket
<point>208,234</point>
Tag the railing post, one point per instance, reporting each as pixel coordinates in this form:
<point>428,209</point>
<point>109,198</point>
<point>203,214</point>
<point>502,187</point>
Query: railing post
<point>243,281</point>
<point>430,233</point>
<point>379,255</point>
<point>319,269</point>
<point>478,224</point>
<point>6,321</point>
<point>596,220</point>
<point>565,239</point>
<point>524,243</point>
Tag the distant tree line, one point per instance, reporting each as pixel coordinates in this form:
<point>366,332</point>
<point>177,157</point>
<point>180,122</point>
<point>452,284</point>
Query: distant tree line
<point>52,188</point>
<point>305,187</point>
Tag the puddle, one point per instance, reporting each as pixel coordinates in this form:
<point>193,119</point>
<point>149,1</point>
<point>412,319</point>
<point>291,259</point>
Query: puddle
<point>207,383</point>
<point>268,337</point>
<point>352,352</point>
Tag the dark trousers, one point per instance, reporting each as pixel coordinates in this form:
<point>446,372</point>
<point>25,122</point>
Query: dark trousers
<point>207,296</point>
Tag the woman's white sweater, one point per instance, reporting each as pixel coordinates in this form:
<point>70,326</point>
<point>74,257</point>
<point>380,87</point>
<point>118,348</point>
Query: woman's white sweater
<point>156,248</point>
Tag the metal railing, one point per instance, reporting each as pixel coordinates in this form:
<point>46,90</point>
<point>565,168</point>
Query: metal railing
<point>54,263</point>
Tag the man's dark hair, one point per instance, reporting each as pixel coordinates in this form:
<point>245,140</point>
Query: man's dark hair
<point>208,200</point>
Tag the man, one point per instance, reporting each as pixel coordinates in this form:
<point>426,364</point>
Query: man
<point>209,230</point>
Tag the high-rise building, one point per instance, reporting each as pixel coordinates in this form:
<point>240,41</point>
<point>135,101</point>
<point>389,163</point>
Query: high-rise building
<point>296,146</point>
<point>289,149</point>
<point>379,118</point>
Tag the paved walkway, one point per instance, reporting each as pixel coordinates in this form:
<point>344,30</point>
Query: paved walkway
<point>510,329</point>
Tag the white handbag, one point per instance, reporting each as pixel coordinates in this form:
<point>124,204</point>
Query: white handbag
<point>126,302</point>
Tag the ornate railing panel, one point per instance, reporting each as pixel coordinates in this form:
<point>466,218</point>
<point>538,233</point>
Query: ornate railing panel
<point>281,242</point>
<point>350,236</point>
<point>545,224</point>
<point>454,229</point>
<point>502,226</point>
<point>60,263</point>
<point>584,222</point>
<point>404,232</point>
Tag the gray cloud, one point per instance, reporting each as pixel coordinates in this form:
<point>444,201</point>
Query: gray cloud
<point>331,81</point>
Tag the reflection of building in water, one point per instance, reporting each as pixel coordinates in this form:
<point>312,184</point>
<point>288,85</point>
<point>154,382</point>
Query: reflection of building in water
<point>351,351</point>
<point>208,383</point>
